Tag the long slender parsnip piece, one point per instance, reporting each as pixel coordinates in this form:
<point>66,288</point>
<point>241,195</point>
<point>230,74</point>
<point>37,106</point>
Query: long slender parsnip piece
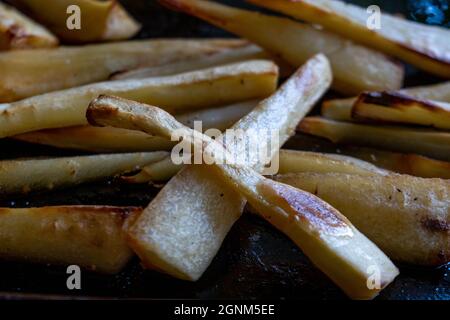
<point>397,108</point>
<point>96,139</point>
<point>326,236</point>
<point>183,227</point>
<point>27,73</point>
<point>407,217</point>
<point>100,20</point>
<point>435,144</point>
<point>198,89</point>
<point>17,31</point>
<point>40,174</point>
<point>341,109</point>
<point>355,68</point>
<point>426,47</point>
<point>92,237</point>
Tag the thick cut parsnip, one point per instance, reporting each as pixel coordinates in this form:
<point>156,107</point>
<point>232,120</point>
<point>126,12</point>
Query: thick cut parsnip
<point>250,52</point>
<point>327,237</point>
<point>407,163</point>
<point>341,109</point>
<point>407,217</point>
<point>221,85</point>
<point>397,108</point>
<point>355,68</point>
<point>38,174</point>
<point>91,237</point>
<point>426,47</point>
<point>290,161</point>
<point>181,240</point>
<point>100,20</point>
<point>431,143</point>
<point>111,139</point>
<point>293,161</point>
<point>27,73</point>
<point>19,32</point>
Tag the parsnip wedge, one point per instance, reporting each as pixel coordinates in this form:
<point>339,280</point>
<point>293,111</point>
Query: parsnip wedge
<point>250,52</point>
<point>40,174</point>
<point>355,68</point>
<point>341,109</point>
<point>407,163</point>
<point>397,108</point>
<point>431,143</point>
<point>290,161</point>
<point>407,217</point>
<point>19,32</point>
<point>91,237</point>
<point>293,161</point>
<point>426,47</point>
<point>96,139</point>
<point>328,238</point>
<point>100,20</point>
<point>27,73</point>
<point>185,238</point>
<point>205,88</point>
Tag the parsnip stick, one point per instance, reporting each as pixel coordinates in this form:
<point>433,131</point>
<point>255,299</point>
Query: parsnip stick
<point>27,73</point>
<point>40,174</point>
<point>91,237</point>
<point>17,31</point>
<point>221,85</point>
<point>353,65</point>
<point>111,139</point>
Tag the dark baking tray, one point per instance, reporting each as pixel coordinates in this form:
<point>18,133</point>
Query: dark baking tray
<point>256,261</point>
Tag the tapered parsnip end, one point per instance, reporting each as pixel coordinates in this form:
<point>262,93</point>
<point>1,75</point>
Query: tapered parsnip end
<point>394,107</point>
<point>421,45</point>
<point>380,206</point>
<point>295,43</point>
<point>120,24</point>
<point>19,32</point>
<point>435,144</point>
<point>92,237</point>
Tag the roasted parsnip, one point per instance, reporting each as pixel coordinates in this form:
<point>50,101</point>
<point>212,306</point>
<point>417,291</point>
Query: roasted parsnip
<point>19,32</point>
<point>397,108</point>
<point>355,68</point>
<point>407,163</point>
<point>327,237</point>
<point>39,174</point>
<point>341,109</point>
<point>157,172</point>
<point>426,47</point>
<point>91,237</point>
<point>101,20</point>
<point>27,73</point>
<point>96,139</point>
<point>427,142</point>
<point>185,238</point>
<point>193,90</point>
<point>407,217</point>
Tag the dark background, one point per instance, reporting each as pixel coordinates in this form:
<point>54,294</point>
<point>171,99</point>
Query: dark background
<point>255,261</point>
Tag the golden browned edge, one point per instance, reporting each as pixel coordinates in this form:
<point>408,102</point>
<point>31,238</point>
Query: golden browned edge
<point>394,100</point>
<point>17,35</point>
<point>318,12</point>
